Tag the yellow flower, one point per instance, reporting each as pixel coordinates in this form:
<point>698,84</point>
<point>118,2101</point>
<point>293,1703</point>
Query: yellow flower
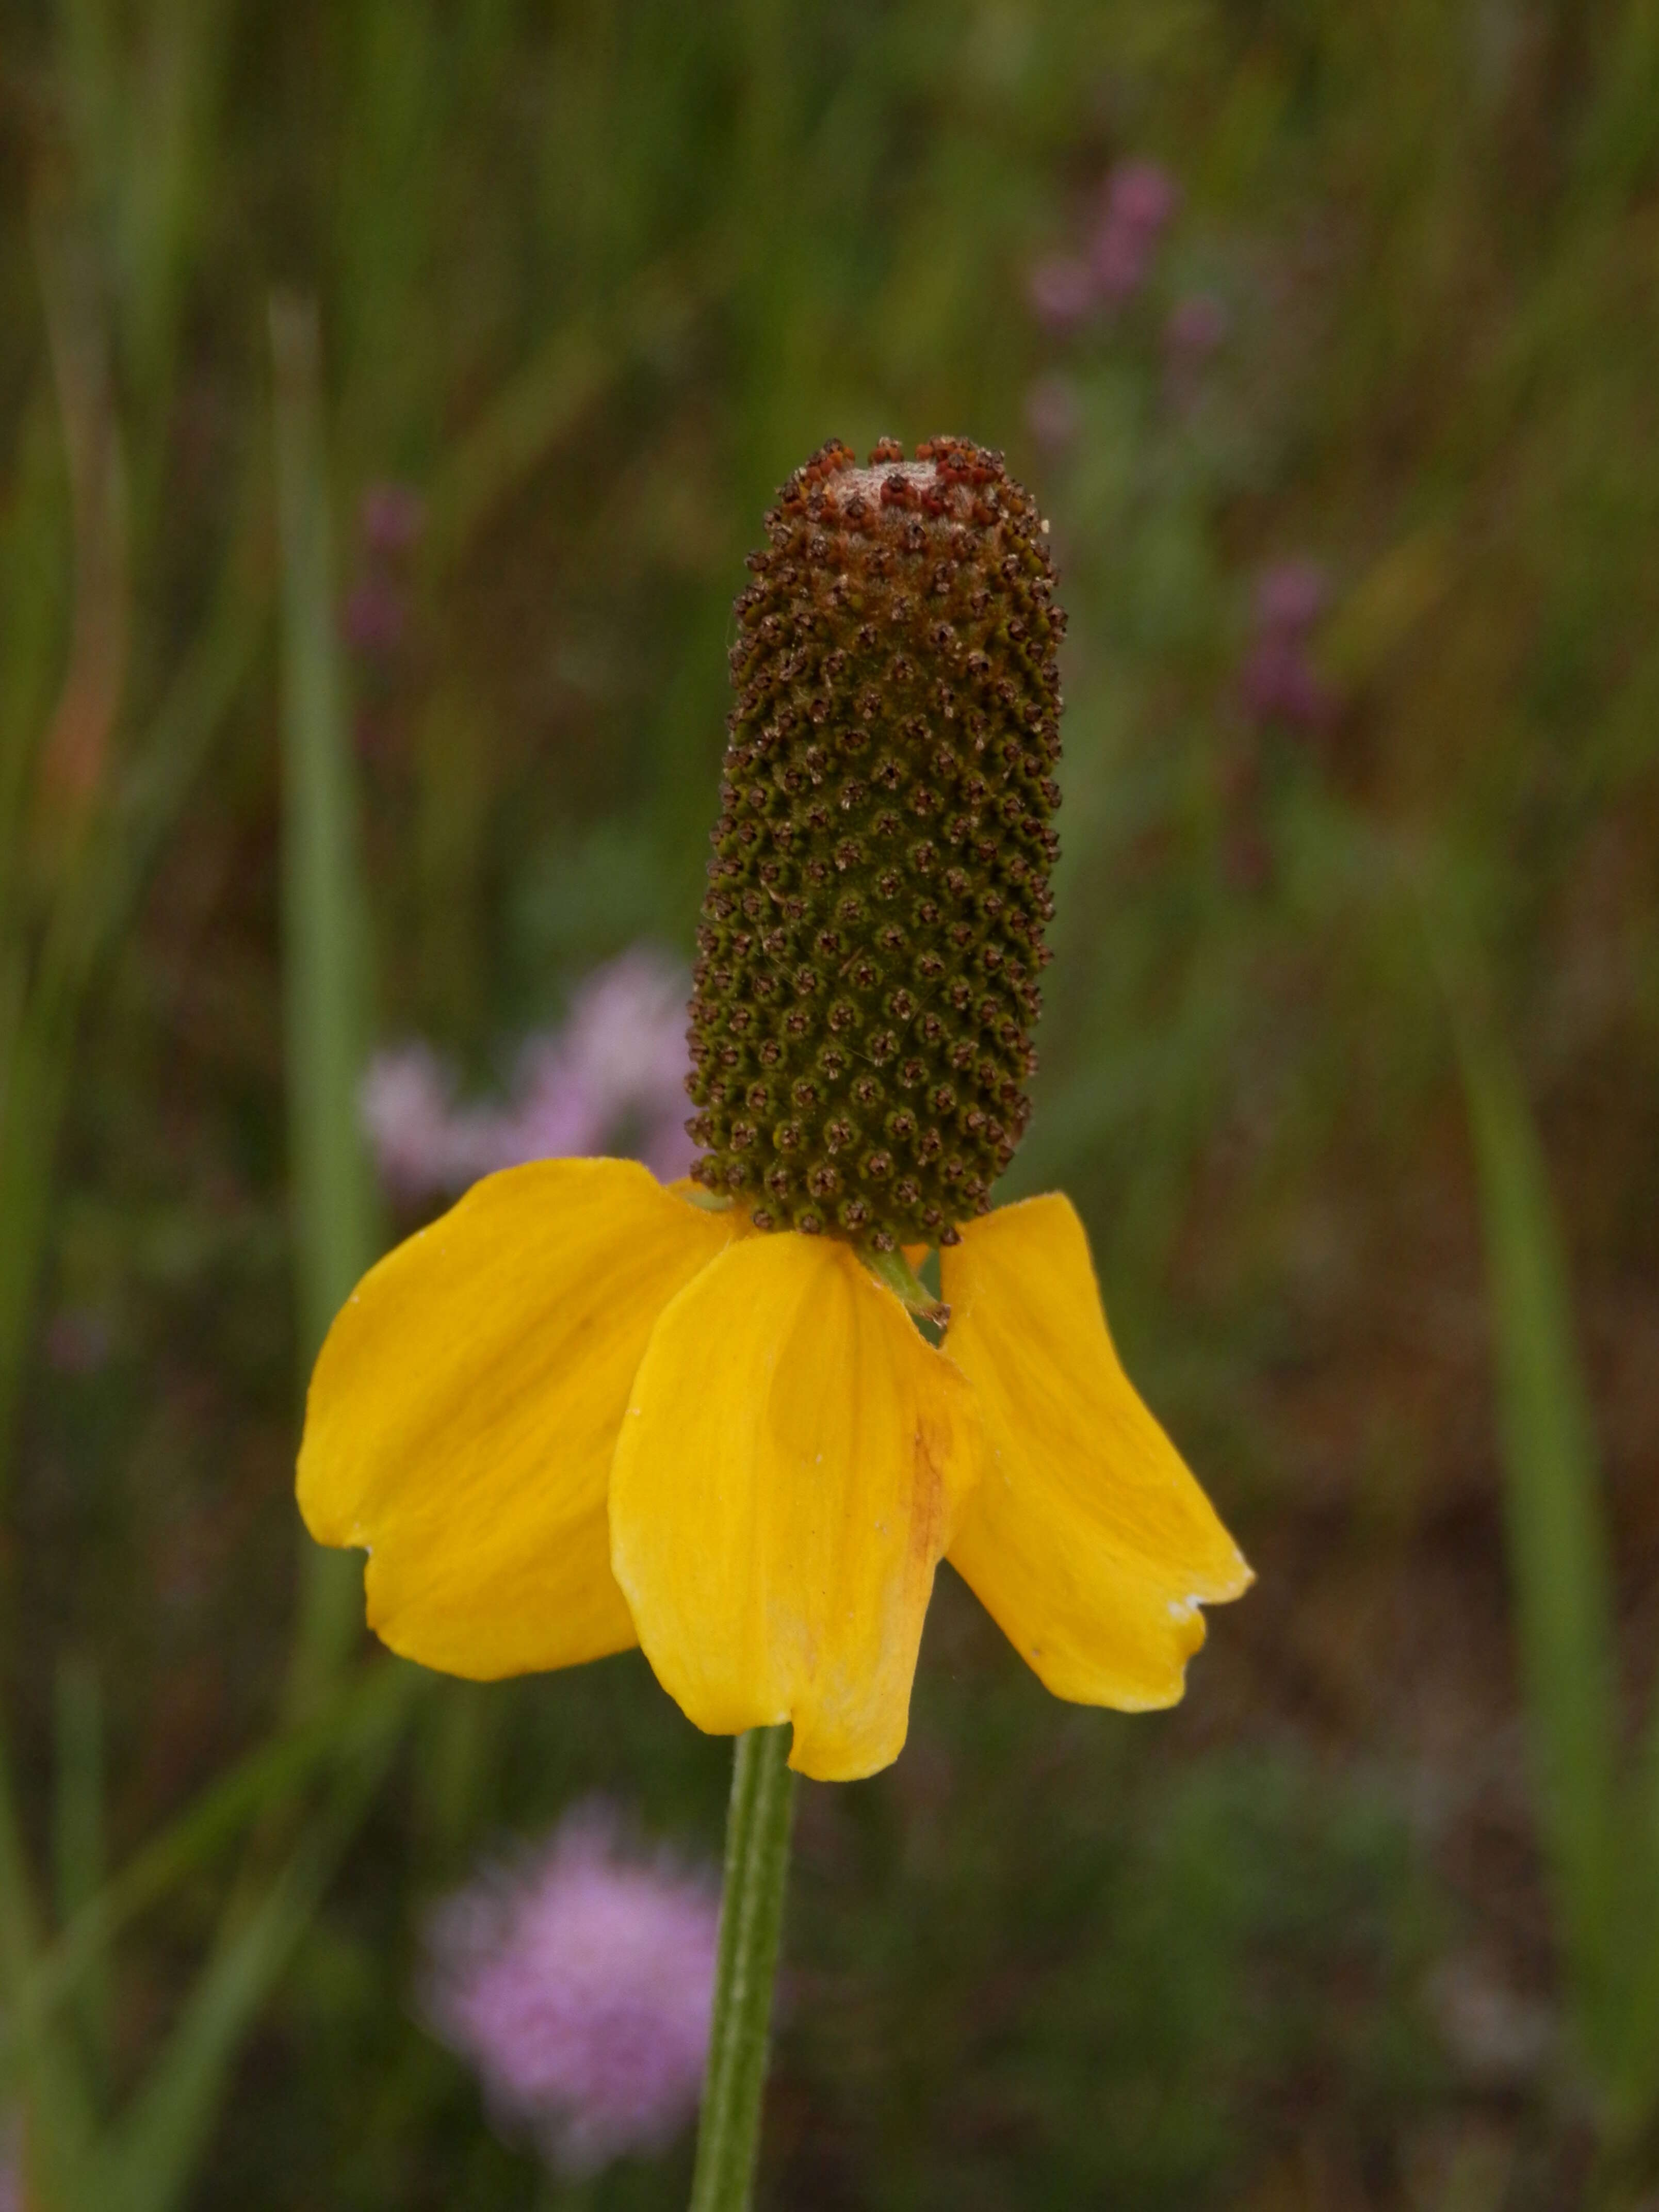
<point>580,1411</point>
<point>583,1410</point>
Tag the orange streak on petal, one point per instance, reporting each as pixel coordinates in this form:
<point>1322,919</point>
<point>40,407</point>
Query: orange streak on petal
<point>794,1463</point>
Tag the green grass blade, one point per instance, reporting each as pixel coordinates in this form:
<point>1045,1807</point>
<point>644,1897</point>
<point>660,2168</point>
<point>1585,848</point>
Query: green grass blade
<point>35,1094</point>
<point>154,2156</point>
<point>1556,1533</point>
<point>377,1698</point>
<point>93,902</point>
<point>43,2068</point>
<point>78,1836</point>
<point>34,557</point>
<point>325,937</point>
<point>547,397</point>
<point>168,757</point>
<point>1634,2100</point>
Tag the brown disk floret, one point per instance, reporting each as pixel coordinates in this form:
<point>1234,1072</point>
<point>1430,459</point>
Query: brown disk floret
<point>871,934</point>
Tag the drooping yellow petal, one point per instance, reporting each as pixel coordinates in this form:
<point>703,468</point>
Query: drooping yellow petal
<point>793,1464</point>
<point>1088,1541</point>
<point>466,1403</point>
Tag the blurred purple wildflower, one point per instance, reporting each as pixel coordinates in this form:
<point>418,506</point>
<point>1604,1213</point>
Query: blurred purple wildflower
<point>390,519</point>
<point>421,1142</point>
<point>1062,290</point>
<point>1291,597</point>
<point>1053,415</point>
<point>1196,327</point>
<point>1141,197</point>
<point>578,1983</point>
<point>376,615</point>
<point>1139,203</point>
<point>612,1080</point>
<point>1279,682</point>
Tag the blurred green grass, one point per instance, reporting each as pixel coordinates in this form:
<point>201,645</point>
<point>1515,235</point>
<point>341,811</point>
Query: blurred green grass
<point>589,280</point>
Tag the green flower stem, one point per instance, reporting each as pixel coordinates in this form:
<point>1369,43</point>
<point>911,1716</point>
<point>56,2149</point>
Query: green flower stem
<point>752,1915</point>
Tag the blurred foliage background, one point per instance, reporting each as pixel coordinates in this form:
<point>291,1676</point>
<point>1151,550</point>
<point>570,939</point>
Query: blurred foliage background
<point>1351,1054</point>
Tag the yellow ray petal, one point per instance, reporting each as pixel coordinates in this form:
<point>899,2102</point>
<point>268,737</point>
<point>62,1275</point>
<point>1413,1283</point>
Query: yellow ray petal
<point>792,1467</point>
<point>1088,1541</point>
<point>465,1406</point>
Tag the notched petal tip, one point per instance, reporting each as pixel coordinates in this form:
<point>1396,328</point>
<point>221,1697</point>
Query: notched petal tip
<point>1089,1543</point>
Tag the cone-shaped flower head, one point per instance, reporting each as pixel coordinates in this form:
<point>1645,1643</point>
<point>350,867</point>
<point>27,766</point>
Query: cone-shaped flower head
<point>584,1410</point>
<point>872,930</point>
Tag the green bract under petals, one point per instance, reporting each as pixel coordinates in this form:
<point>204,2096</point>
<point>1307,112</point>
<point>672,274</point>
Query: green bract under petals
<point>872,930</point>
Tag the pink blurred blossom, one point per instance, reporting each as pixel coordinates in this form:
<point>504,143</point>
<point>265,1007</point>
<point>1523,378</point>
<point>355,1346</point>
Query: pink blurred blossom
<point>390,518</point>
<point>1291,597</point>
<point>1279,682</point>
<point>1062,290</point>
<point>1196,327</point>
<point>1142,196</point>
<point>421,1141</point>
<point>610,1080</point>
<point>1053,415</point>
<point>376,616</point>
<point>578,1983</point>
<point>1138,202</point>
